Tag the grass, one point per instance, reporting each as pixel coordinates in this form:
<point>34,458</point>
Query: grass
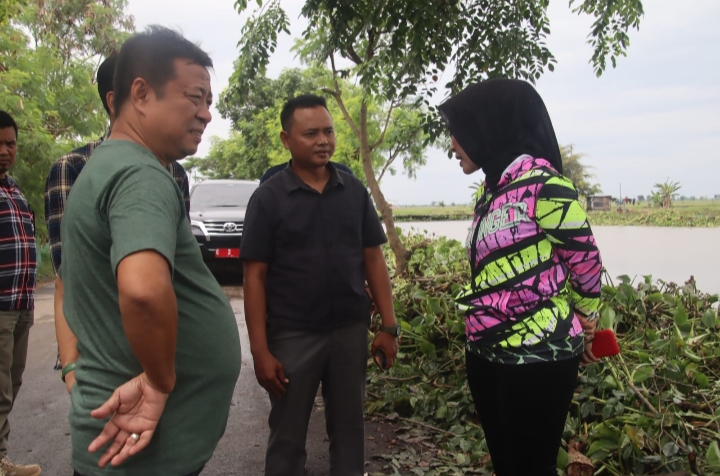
<point>429,213</point>
<point>45,271</point>
<point>691,213</point>
<point>696,213</point>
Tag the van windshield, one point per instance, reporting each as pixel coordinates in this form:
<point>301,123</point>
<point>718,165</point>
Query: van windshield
<point>219,194</point>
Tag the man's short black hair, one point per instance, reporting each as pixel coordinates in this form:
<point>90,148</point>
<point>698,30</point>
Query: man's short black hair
<point>300,102</point>
<point>151,55</point>
<point>6,121</point>
<point>105,74</point>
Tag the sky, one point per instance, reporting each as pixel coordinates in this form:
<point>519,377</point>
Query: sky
<point>655,117</point>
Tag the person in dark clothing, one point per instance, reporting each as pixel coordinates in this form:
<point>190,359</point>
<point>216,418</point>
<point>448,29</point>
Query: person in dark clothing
<point>531,304</point>
<point>311,238</point>
<point>18,261</point>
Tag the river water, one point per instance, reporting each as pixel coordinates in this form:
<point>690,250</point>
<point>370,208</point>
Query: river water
<point>670,254</point>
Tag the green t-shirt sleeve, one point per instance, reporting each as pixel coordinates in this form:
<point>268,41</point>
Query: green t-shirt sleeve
<point>144,211</point>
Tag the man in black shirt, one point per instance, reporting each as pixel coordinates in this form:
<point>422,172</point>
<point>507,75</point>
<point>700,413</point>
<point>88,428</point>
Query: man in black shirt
<point>311,238</point>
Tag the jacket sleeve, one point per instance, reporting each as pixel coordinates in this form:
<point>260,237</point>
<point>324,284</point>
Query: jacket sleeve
<point>564,221</point>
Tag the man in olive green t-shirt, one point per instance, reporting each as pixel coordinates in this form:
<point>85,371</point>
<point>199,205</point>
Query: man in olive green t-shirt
<point>159,350</point>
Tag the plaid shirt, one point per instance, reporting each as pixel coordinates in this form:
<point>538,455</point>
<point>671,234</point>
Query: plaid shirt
<point>61,179</point>
<point>18,256</point>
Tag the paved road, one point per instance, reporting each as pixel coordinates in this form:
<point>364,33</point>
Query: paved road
<point>41,434</point>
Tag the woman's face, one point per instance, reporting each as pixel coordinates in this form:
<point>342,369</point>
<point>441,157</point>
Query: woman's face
<point>467,165</point>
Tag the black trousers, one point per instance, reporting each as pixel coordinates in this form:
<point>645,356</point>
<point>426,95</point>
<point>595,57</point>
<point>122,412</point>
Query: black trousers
<point>338,359</point>
<point>194,473</point>
<point>522,410</point>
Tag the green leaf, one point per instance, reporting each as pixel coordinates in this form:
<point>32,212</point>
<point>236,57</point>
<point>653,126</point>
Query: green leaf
<point>670,449</point>
<point>429,319</point>
<point>636,436</point>
<point>441,413</point>
<point>702,380</point>
<point>434,305</point>
<point>562,459</point>
<point>681,316</point>
<point>607,318</point>
<point>655,298</point>
<point>609,382</point>
<point>642,373</point>
<point>587,409</point>
<point>709,319</point>
<point>713,455</point>
<point>419,294</point>
<point>427,348</point>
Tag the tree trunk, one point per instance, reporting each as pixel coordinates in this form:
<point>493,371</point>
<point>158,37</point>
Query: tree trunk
<point>402,255</point>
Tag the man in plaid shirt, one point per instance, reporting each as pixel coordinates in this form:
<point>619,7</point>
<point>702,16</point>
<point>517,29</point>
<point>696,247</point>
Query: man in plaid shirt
<point>18,264</point>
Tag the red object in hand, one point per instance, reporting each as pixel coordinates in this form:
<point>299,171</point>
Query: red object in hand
<point>604,344</point>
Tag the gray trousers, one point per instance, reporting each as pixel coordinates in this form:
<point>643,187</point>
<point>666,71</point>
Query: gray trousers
<point>338,359</point>
<point>14,336</point>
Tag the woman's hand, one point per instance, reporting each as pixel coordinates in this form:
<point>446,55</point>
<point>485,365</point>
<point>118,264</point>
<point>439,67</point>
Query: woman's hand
<point>589,331</point>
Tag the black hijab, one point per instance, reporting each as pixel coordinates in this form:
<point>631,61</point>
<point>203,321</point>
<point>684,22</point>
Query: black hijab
<point>496,121</point>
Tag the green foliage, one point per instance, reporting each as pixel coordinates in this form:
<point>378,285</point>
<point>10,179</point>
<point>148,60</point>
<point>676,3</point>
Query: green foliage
<point>653,409</point>
<point>435,212</point>
<point>665,193</point>
<point>608,36</point>
<point>579,173</point>
<point>49,51</point>
<point>675,217</point>
<point>401,48</point>
<point>10,8</point>
<point>45,270</point>
<point>258,42</point>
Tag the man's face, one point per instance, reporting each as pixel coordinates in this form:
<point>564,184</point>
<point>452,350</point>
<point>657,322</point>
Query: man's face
<point>8,149</point>
<point>311,138</point>
<point>174,121</point>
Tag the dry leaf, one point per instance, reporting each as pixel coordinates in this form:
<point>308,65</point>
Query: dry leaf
<point>578,464</point>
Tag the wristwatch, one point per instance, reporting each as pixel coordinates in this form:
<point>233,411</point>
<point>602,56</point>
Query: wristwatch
<point>392,330</point>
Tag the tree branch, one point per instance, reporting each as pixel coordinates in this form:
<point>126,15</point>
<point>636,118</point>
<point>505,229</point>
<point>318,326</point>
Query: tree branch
<point>353,55</point>
<point>642,398</point>
<point>373,34</point>
<point>370,52</point>
<point>389,162</point>
<point>337,94</point>
<point>387,121</point>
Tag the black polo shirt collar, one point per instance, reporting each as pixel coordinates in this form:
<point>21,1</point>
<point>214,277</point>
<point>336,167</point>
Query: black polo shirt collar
<point>292,182</point>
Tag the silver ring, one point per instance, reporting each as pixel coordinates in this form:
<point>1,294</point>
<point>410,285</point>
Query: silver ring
<point>135,436</point>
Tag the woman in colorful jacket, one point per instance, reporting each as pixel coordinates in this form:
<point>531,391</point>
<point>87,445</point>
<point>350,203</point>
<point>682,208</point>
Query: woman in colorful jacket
<point>535,287</point>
